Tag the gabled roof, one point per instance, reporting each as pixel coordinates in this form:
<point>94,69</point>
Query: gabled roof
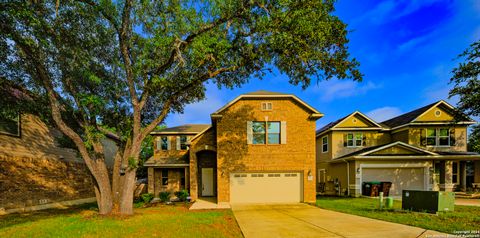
<point>370,150</point>
<point>411,116</point>
<point>268,94</point>
<point>332,125</point>
<point>183,129</point>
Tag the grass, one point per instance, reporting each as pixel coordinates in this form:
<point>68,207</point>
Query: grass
<point>464,218</point>
<point>83,221</point>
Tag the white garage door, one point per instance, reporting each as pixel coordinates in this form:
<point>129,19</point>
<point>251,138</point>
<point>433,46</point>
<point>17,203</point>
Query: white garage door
<point>401,178</point>
<point>265,188</point>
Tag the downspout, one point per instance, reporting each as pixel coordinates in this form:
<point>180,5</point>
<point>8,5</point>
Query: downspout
<point>348,177</point>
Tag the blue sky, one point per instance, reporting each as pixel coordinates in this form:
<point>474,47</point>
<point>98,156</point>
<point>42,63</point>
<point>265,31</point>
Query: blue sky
<point>406,49</point>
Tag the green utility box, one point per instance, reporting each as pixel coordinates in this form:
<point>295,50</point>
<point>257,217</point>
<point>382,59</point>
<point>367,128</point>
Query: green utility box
<point>428,201</point>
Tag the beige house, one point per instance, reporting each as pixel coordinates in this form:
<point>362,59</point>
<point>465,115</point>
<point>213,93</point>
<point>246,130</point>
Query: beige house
<point>259,148</point>
<point>425,149</point>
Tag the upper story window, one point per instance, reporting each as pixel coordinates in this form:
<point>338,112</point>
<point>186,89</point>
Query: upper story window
<point>164,143</point>
<point>266,106</point>
<point>9,123</point>
<point>266,132</point>
<point>438,137</point>
<point>325,144</point>
<point>354,139</point>
<point>183,142</point>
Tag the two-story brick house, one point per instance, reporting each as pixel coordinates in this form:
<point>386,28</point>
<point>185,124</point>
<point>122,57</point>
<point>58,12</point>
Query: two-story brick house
<point>259,148</point>
<point>425,149</point>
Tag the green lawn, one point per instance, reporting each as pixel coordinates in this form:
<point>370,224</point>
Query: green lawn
<point>464,218</point>
<point>83,221</point>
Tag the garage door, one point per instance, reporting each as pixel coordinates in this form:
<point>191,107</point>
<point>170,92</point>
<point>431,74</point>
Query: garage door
<point>401,178</point>
<point>265,188</point>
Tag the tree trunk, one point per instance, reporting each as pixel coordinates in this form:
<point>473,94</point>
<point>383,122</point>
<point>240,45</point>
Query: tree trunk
<point>126,198</point>
<point>103,190</point>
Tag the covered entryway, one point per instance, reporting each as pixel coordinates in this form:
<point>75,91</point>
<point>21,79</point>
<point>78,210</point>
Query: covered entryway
<point>266,187</point>
<point>401,178</point>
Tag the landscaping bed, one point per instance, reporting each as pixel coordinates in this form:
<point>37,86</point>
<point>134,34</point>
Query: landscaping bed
<point>158,221</point>
<point>464,218</point>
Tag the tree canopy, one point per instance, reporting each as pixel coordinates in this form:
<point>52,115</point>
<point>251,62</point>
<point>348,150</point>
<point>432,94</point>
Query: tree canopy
<point>122,66</point>
<point>466,80</point>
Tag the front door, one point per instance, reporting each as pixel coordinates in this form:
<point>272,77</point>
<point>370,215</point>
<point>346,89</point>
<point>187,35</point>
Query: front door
<point>207,181</point>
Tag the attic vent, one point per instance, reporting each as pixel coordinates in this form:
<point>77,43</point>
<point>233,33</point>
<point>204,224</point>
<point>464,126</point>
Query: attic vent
<point>354,120</point>
<point>266,106</point>
<point>438,113</point>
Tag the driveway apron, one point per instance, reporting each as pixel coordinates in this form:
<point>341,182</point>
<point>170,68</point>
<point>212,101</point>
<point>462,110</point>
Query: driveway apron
<point>302,220</point>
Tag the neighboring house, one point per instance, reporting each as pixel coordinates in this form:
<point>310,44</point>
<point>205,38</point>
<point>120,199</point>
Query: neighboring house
<point>425,149</point>
<point>260,147</point>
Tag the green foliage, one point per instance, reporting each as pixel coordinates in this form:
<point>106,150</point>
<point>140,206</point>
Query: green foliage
<point>474,139</point>
<point>147,197</point>
<point>466,80</point>
<point>164,196</point>
<point>182,195</point>
<point>132,163</point>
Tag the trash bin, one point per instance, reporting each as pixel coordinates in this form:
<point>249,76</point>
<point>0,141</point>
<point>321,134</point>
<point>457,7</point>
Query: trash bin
<point>366,188</point>
<point>375,189</point>
<point>386,188</point>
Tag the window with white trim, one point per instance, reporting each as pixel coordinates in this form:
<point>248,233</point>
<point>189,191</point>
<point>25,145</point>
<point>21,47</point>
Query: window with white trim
<point>164,177</point>
<point>325,144</point>
<point>266,106</point>
<point>438,137</point>
<point>354,139</point>
<point>266,132</point>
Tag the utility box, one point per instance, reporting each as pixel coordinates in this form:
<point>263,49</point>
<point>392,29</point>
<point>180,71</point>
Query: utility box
<point>428,201</point>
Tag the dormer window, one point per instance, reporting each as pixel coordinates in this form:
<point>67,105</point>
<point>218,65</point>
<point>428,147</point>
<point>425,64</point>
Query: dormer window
<point>266,106</point>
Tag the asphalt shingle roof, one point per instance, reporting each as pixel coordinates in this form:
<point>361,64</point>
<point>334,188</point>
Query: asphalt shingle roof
<point>407,117</point>
<point>193,128</point>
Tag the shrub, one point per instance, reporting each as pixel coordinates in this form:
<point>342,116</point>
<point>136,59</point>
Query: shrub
<point>147,197</point>
<point>164,196</point>
<point>182,195</point>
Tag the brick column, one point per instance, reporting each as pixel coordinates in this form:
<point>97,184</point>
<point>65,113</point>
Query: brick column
<point>193,176</point>
<point>477,171</point>
<point>151,175</point>
<point>463,175</point>
<point>448,185</point>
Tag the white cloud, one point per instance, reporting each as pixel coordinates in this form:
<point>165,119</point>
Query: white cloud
<point>334,89</point>
<point>199,113</point>
<point>383,113</point>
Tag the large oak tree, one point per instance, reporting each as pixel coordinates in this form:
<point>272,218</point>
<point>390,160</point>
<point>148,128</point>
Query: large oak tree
<point>466,80</point>
<point>122,66</point>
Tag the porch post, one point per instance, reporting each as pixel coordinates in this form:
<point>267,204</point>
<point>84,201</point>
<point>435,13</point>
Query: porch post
<point>187,178</point>
<point>193,176</point>
<point>448,185</point>
<point>463,173</point>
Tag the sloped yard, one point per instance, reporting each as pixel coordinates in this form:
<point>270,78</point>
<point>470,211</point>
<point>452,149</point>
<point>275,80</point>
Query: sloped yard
<point>463,219</point>
<point>83,221</point>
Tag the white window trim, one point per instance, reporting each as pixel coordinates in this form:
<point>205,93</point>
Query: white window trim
<point>323,144</point>
<point>355,140</point>
<point>265,106</point>
<point>437,137</point>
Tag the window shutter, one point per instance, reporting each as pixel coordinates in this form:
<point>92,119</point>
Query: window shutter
<point>283,132</point>
<point>452,137</point>
<point>169,143</point>
<point>159,143</point>
<point>345,140</point>
<point>249,132</point>
<point>178,142</point>
<point>364,141</point>
<point>423,138</point>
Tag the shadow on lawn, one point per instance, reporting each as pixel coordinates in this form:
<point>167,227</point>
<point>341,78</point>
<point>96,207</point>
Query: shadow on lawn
<point>20,218</point>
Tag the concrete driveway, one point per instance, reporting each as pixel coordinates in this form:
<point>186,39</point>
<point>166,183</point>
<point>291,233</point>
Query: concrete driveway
<point>302,220</point>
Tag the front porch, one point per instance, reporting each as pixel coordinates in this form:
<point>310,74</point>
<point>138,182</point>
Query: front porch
<point>208,203</point>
